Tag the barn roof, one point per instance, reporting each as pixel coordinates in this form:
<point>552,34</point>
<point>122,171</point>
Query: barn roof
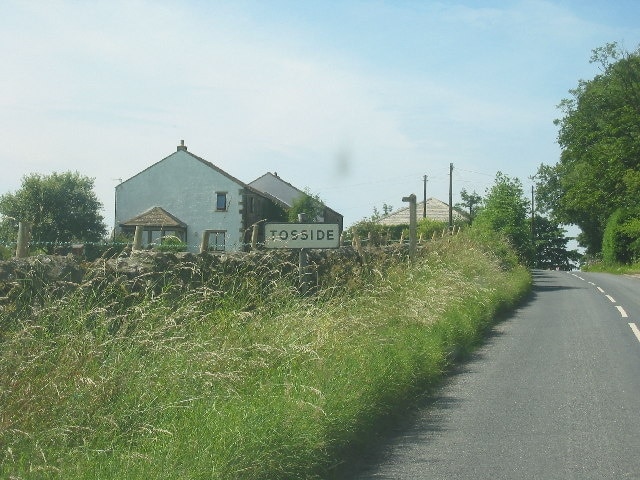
<point>436,210</point>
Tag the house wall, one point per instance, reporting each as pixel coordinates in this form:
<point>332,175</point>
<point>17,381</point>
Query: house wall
<point>186,188</point>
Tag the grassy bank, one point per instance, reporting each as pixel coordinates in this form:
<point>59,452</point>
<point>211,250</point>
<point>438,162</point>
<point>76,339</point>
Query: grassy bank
<point>237,382</point>
<point>617,268</point>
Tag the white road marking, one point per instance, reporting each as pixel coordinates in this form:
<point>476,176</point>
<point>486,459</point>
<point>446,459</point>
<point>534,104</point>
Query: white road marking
<point>635,330</point>
<point>591,283</point>
<point>610,298</point>
<point>622,312</point>
<point>600,290</point>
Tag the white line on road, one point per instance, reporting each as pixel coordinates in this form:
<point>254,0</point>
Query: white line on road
<point>622,312</point>
<point>600,290</point>
<point>635,330</point>
<point>591,283</point>
<point>610,298</point>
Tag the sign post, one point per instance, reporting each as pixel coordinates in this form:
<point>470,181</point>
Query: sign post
<point>302,236</point>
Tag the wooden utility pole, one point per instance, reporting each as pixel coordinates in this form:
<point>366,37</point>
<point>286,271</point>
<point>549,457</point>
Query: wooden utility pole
<point>450,196</point>
<point>533,230</point>
<point>424,196</point>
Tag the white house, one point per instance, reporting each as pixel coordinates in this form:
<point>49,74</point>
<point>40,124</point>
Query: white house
<point>185,196</point>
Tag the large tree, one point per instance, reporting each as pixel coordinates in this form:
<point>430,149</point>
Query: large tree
<point>505,210</point>
<point>61,207</point>
<point>551,242</point>
<point>599,133</point>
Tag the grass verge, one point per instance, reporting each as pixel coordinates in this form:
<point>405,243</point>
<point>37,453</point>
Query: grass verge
<point>242,385</point>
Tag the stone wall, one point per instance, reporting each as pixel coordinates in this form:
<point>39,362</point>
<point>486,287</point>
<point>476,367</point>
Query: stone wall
<point>33,278</point>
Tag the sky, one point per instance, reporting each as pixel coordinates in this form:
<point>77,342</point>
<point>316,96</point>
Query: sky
<point>355,101</point>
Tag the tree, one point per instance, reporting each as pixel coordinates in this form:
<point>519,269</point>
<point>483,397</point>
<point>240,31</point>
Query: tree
<point>599,133</point>
<point>470,202</point>
<point>551,245</point>
<point>307,203</point>
<point>62,207</point>
<point>505,211</point>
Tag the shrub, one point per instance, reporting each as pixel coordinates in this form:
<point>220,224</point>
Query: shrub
<point>621,239</point>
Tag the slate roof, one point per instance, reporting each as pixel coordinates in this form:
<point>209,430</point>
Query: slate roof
<point>273,185</point>
<point>210,165</point>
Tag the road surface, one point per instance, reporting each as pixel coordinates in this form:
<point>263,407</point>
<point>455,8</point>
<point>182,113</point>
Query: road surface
<point>553,394</point>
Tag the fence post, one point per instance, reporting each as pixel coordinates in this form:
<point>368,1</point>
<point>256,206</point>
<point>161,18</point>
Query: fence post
<point>137,238</point>
<point>254,237</point>
<point>204,245</point>
<point>24,237</point>
<point>412,225</point>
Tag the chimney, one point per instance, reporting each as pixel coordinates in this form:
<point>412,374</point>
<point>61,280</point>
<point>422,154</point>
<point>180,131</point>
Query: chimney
<point>181,146</point>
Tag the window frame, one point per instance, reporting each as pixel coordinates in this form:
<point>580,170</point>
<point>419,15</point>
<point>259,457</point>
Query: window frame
<point>223,195</point>
<point>214,237</point>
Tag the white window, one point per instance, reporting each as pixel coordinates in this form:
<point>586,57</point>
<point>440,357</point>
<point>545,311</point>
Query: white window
<point>217,240</point>
<point>221,201</point>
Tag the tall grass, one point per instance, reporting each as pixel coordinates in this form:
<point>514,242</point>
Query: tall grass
<point>241,380</point>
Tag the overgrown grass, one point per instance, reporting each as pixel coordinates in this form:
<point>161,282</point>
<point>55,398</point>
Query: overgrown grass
<point>246,380</point>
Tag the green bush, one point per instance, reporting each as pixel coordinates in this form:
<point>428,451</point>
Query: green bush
<point>621,239</point>
<point>171,243</point>
<point>5,252</point>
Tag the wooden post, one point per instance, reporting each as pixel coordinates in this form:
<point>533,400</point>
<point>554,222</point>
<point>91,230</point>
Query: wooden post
<point>24,237</point>
<point>204,245</point>
<point>254,237</point>
<point>303,263</point>
<point>137,238</point>
<point>412,225</point>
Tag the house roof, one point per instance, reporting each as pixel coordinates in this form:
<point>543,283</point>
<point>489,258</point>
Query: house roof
<point>182,148</point>
<point>155,217</point>
<point>271,184</point>
<point>436,210</point>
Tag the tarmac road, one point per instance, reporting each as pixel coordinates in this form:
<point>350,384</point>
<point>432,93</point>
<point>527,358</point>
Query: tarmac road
<point>553,394</point>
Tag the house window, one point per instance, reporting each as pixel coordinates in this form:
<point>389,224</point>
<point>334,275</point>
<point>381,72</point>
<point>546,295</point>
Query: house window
<point>221,201</point>
<point>251,208</point>
<point>217,240</point>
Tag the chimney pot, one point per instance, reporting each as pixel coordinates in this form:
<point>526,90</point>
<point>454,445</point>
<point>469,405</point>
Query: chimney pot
<point>181,146</point>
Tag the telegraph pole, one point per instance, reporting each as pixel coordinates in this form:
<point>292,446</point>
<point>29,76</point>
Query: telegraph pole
<point>424,206</point>
<point>450,197</point>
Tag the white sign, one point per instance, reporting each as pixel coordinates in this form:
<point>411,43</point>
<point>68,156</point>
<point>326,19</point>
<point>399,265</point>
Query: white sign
<point>302,235</point>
